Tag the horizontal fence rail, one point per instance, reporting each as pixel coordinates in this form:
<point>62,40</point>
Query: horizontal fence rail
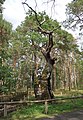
<point>36,101</point>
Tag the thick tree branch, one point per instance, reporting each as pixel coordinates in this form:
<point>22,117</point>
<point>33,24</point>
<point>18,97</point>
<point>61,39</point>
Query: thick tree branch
<point>45,52</point>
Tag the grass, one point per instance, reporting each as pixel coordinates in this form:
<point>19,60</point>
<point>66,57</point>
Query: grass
<point>67,93</point>
<point>36,111</point>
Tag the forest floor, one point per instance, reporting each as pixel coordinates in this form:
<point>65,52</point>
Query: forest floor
<point>74,115</point>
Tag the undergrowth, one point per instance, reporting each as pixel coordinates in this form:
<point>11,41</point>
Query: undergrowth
<point>36,111</point>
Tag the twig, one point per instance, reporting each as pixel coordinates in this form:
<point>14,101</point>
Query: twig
<point>36,4</point>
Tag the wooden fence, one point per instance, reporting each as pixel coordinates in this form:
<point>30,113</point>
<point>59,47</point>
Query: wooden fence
<point>5,104</point>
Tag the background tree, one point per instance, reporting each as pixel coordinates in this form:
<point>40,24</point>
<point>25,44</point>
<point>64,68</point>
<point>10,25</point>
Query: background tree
<point>6,75</point>
<point>74,21</point>
<point>74,14</point>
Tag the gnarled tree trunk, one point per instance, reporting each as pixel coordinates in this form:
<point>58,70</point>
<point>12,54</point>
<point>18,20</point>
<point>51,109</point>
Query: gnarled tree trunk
<point>46,51</point>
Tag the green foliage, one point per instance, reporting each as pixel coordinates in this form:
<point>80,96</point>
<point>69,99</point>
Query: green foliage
<point>76,7</point>
<point>64,40</point>
<point>74,14</point>
<point>30,27</point>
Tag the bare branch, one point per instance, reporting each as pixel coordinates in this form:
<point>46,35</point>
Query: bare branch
<point>47,32</point>
<point>24,8</point>
<point>53,6</point>
<point>36,4</point>
<point>81,19</point>
<point>33,11</point>
<point>43,31</point>
<point>48,1</point>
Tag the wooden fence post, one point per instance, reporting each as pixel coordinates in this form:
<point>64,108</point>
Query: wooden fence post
<point>46,107</point>
<point>5,110</point>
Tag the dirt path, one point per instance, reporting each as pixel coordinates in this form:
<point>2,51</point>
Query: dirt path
<point>75,115</point>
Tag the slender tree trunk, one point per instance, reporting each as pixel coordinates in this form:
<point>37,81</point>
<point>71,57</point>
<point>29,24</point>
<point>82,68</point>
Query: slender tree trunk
<point>69,76</point>
<point>54,78</point>
<point>75,80</point>
<point>64,76</point>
